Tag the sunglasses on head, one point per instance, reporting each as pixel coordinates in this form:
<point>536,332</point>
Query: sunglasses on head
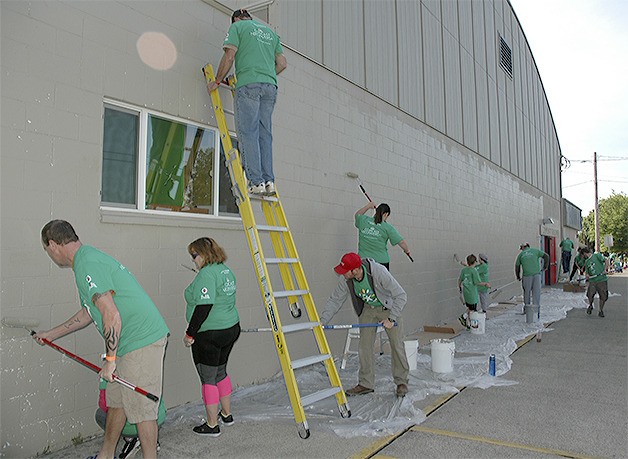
<point>194,255</point>
<point>240,13</point>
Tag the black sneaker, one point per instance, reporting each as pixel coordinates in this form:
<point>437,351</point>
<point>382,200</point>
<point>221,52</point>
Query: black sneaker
<point>462,320</point>
<point>600,314</point>
<point>589,309</point>
<point>205,429</point>
<point>226,420</point>
<point>130,448</point>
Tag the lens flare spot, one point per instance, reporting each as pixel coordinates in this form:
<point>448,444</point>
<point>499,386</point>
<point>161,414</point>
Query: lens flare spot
<point>156,50</point>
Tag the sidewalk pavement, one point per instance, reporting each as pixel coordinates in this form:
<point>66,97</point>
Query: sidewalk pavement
<point>570,401</point>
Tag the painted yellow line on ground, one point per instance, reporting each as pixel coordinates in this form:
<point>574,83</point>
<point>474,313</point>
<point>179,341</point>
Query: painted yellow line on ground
<point>493,441</point>
<point>373,448</point>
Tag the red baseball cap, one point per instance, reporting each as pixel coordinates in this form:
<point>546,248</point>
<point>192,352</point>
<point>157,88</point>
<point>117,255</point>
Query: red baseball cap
<point>348,262</point>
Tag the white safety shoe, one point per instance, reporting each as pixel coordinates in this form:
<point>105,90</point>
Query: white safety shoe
<point>257,189</point>
<point>270,188</point>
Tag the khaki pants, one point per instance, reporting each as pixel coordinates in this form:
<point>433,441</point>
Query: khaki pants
<point>366,376</point>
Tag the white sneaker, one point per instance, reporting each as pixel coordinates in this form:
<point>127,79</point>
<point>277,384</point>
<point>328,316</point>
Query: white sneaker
<point>270,188</point>
<point>257,189</point>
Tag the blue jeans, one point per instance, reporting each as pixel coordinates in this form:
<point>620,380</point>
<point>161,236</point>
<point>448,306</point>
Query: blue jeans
<point>254,105</point>
<point>566,259</point>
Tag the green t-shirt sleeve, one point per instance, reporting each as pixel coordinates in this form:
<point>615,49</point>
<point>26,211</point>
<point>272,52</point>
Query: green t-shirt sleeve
<point>232,38</point>
<point>278,48</point>
<point>393,235</point>
<point>359,220</point>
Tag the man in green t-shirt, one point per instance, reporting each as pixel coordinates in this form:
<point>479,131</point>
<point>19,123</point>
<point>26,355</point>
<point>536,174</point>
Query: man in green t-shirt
<point>578,264</point>
<point>596,266</point>
<point>377,297</point>
<point>528,261</point>
<point>567,246</point>
<point>130,323</point>
<point>258,55</point>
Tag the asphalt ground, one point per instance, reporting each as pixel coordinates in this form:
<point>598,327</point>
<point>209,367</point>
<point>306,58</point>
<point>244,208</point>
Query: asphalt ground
<point>571,400</point>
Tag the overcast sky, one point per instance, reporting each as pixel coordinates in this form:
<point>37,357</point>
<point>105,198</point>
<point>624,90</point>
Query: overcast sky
<point>581,50</point>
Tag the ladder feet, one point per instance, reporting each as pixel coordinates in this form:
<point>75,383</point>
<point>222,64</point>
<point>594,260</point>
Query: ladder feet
<point>295,310</point>
<point>304,431</point>
<point>345,412</point>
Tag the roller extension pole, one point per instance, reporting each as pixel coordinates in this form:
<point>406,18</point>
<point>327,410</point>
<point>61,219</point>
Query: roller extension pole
<point>97,369</point>
<point>326,327</point>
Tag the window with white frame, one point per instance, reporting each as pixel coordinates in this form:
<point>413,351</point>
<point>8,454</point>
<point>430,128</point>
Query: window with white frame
<point>156,162</point>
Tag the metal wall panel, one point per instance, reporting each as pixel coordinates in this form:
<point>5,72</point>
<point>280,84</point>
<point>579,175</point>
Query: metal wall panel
<point>453,91</point>
<point>481,88</point>
<point>434,7</point>
<point>512,134</point>
<point>491,38</point>
<point>380,45</point>
<point>469,105</point>
<point>504,148</point>
<point>449,10</point>
<point>479,33</point>
<point>302,26</point>
<point>433,71</point>
<point>343,47</point>
<point>493,116</point>
<point>411,85</point>
<point>465,21</point>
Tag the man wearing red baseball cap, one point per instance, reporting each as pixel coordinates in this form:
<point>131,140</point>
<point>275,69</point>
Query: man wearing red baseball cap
<point>377,298</point>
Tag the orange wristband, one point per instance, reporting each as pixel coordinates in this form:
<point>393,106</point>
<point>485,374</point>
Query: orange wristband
<point>110,358</point>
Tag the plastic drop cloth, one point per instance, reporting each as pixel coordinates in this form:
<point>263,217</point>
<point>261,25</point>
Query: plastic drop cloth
<point>382,413</point>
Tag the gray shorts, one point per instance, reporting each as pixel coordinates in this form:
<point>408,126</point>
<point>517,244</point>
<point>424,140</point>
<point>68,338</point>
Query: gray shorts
<point>143,368</point>
<point>601,288</point>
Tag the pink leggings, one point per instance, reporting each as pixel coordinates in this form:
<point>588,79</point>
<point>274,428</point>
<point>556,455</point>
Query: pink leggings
<point>212,394</point>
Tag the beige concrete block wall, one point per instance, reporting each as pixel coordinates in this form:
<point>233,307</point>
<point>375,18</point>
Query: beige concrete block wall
<point>60,59</point>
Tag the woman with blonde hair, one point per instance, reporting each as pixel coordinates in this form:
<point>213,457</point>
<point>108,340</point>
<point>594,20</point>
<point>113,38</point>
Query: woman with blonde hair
<point>213,329</point>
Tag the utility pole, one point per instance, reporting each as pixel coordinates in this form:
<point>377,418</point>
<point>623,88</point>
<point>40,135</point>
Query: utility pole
<point>597,209</point>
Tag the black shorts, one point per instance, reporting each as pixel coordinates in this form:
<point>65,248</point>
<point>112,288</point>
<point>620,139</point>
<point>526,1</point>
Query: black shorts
<point>472,307</point>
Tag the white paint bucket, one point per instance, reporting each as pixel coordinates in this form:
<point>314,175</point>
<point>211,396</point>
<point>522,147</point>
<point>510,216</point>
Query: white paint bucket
<point>443,355</point>
<point>477,321</point>
<point>412,352</point>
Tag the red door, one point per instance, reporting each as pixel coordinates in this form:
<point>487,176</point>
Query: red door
<point>550,249</point>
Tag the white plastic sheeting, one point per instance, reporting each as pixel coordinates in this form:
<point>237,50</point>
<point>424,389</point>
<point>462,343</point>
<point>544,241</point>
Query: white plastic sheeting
<point>381,413</point>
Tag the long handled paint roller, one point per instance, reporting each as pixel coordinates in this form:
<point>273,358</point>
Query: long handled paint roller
<point>326,327</point>
<point>495,291</point>
<point>28,324</point>
<point>353,175</point>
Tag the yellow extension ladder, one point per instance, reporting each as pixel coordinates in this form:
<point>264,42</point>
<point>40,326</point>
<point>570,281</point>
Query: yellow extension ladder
<point>292,275</point>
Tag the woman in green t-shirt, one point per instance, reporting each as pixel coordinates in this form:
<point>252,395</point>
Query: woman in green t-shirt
<point>375,232</point>
<point>213,329</point>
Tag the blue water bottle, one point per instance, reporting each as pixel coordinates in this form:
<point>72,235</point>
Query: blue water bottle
<point>491,365</point>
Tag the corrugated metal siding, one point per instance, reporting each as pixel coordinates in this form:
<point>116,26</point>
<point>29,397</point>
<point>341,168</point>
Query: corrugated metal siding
<point>453,91</point>
<point>380,42</point>
<point>411,85</point>
<point>438,60</point>
<point>343,29</point>
<point>469,106</point>
<point>433,71</point>
<point>302,25</point>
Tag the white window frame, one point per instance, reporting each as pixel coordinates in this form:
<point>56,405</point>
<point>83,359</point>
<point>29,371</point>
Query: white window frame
<point>139,213</point>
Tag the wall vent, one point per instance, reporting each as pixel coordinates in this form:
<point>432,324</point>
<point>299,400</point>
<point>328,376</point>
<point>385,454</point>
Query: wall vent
<point>505,57</point>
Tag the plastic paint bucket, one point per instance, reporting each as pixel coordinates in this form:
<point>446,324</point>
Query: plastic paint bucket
<point>532,313</point>
<point>477,321</point>
<point>412,351</point>
<point>443,355</point>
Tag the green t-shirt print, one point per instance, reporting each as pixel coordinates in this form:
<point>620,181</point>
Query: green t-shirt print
<point>528,259</point>
<point>214,284</point>
<point>365,292</point>
<point>97,272</point>
<point>595,267</point>
<point>373,238</point>
<point>257,45</point>
<point>469,279</point>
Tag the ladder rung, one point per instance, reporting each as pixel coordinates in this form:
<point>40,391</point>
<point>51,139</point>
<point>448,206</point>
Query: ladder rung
<point>320,395</point>
<point>282,229</point>
<point>281,260</point>
<point>285,293</point>
<point>300,363</point>
<point>259,197</point>
<point>299,327</point>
